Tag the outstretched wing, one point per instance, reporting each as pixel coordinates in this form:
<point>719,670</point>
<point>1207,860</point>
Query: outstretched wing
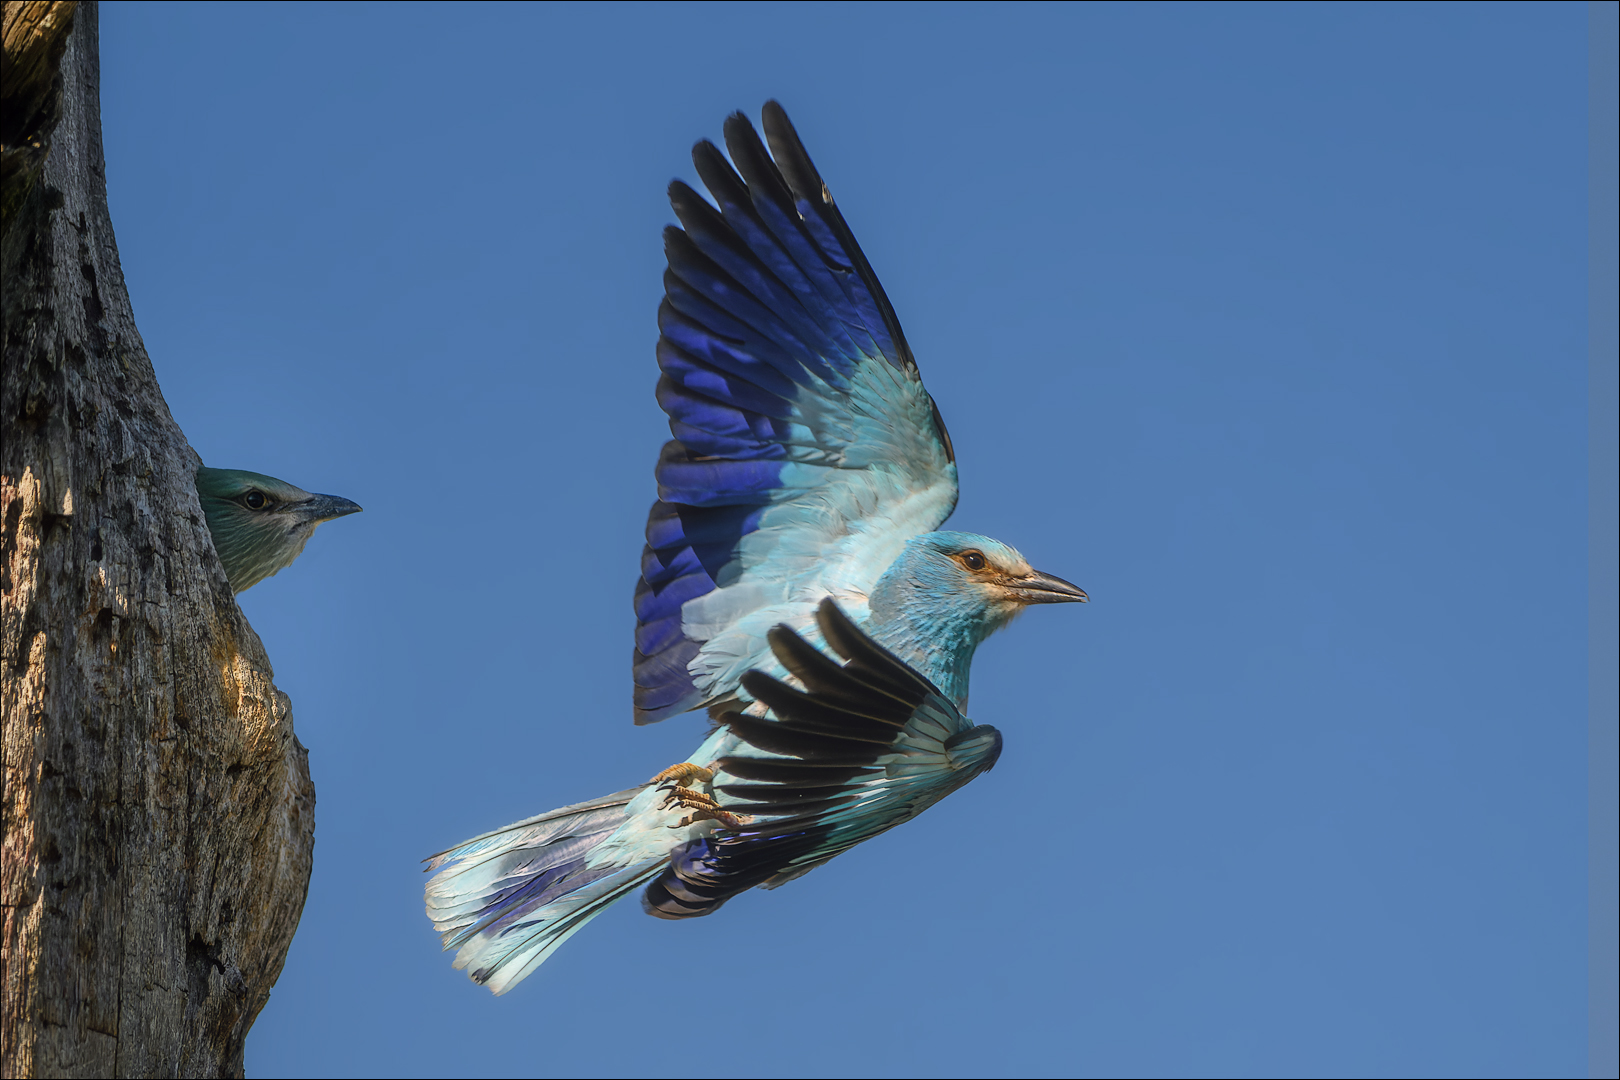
<point>806,451</point>
<point>864,747</point>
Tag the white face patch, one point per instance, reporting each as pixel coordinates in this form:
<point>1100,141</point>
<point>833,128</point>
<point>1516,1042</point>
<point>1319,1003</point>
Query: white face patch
<point>1014,567</point>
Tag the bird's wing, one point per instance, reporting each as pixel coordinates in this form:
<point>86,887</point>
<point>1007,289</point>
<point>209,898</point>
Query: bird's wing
<point>806,451</point>
<point>862,748</point>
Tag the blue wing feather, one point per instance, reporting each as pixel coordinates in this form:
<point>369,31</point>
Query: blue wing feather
<point>747,320</point>
<point>778,314</point>
<point>747,391</point>
<point>779,251</point>
<point>805,452</point>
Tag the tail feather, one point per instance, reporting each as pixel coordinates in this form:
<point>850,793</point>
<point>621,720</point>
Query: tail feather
<point>521,882</point>
<point>501,958</point>
<point>508,898</point>
<point>531,832</point>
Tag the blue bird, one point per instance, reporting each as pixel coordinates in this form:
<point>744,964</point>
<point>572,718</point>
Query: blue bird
<point>794,584</point>
<point>260,524</point>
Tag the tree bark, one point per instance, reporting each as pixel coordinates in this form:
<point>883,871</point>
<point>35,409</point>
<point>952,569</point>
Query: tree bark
<point>157,812</point>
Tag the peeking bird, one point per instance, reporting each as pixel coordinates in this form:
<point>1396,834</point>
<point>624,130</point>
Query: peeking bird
<point>261,524</point>
<point>793,585</point>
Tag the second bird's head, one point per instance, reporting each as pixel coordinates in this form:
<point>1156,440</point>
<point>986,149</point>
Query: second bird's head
<point>261,524</point>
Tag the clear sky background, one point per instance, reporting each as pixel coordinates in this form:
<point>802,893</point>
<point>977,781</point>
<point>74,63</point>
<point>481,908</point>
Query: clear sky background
<point>1266,325</point>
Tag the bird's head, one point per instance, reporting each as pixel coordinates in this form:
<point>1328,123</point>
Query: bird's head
<point>969,585</point>
<point>261,524</point>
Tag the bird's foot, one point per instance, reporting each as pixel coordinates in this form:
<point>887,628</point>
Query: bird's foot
<point>688,799</point>
<point>724,817</point>
<point>683,774</point>
<point>704,808</point>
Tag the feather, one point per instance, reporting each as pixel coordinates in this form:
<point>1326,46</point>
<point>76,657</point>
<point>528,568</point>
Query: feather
<point>790,389</point>
<point>865,746</point>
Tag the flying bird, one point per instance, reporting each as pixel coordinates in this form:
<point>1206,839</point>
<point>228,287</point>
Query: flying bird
<point>793,584</point>
<point>261,524</point>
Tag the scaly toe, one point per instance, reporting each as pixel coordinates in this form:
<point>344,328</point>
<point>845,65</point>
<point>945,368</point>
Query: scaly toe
<point>724,817</point>
<point>683,774</point>
<point>688,799</point>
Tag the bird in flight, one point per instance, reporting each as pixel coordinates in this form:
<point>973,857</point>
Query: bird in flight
<point>261,524</point>
<point>794,584</point>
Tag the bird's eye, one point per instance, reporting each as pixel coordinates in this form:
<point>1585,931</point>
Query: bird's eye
<point>255,500</point>
<point>973,560</point>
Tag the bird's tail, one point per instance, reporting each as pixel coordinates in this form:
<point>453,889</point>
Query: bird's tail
<point>508,898</point>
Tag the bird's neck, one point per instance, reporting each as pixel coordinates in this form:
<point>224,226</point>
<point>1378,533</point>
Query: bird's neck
<point>936,637</point>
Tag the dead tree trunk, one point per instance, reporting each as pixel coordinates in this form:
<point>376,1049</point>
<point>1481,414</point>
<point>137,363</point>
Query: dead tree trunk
<point>157,810</point>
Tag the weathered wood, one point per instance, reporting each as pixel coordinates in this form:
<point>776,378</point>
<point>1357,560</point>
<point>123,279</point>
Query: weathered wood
<point>31,86</point>
<point>157,810</point>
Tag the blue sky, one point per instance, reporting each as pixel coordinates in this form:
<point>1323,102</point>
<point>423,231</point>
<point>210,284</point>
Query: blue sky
<point>1264,324</point>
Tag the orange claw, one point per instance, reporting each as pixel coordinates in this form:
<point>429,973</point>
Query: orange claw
<point>705,809</point>
<point>724,817</point>
<point>683,774</point>
<point>689,799</point>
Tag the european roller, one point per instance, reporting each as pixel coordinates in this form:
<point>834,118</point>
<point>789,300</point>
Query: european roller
<point>261,524</point>
<point>794,584</point>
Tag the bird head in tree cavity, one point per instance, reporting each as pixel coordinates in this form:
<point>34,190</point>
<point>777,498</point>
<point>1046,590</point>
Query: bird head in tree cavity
<point>261,524</point>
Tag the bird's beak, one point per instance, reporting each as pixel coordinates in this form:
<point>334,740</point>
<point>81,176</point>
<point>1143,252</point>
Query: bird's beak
<point>1039,588</point>
<point>326,507</point>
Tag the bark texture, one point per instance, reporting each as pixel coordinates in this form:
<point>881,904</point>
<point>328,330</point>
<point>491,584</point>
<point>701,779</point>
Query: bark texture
<point>31,84</point>
<point>157,812</point>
